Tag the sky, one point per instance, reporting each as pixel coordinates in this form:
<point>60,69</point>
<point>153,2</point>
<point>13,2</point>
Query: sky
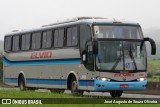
<point>29,14</point>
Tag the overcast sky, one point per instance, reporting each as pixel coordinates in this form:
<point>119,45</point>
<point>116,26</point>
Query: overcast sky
<point>27,14</point>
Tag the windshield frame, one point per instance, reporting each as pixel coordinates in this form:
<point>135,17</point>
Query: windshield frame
<point>118,71</point>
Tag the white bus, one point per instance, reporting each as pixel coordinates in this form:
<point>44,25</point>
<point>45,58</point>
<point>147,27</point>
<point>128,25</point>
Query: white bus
<point>81,54</point>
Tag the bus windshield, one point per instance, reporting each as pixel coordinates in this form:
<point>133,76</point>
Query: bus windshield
<point>112,31</point>
<point>120,55</point>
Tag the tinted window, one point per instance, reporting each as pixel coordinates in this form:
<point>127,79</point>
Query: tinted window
<point>69,37</point>
<point>28,41</point>
<point>72,36</point>
<point>7,43</point>
<point>85,35</point>
<point>47,39</point>
<point>25,43</point>
<point>59,38</point>
<point>15,45</point>
<point>36,40</point>
<point>56,38</point>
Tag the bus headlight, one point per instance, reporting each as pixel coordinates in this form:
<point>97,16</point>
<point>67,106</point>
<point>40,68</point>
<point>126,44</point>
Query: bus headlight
<point>105,79</point>
<point>141,79</point>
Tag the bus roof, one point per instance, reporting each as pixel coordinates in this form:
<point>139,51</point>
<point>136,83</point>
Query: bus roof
<point>74,21</point>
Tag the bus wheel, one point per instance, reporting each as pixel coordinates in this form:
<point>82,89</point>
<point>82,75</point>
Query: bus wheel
<point>116,93</point>
<point>74,87</point>
<point>22,86</point>
<point>57,90</point>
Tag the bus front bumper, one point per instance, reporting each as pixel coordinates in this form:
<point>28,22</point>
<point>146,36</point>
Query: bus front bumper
<point>100,85</point>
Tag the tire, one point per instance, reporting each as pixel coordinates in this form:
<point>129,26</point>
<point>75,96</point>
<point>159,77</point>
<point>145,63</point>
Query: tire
<point>57,90</point>
<point>22,86</point>
<point>74,87</point>
<point>116,93</point>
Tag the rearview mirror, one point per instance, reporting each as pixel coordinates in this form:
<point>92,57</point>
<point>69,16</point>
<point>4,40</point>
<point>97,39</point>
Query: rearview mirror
<point>153,45</point>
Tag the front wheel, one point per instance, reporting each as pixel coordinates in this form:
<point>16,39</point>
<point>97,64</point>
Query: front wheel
<point>116,93</point>
<point>74,87</point>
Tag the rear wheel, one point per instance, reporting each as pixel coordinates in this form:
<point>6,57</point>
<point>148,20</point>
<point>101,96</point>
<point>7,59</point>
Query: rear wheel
<point>22,86</point>
<point>74,87</point>
<point>116,93</point>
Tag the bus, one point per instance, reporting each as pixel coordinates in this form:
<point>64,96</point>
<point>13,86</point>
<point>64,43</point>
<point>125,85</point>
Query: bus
<point>91,54</point>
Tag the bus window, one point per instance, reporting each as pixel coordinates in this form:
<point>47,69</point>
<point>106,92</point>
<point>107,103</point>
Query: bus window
<point>15,45</point>
<point>72,36</point>
<point>25,43</point>
<point>85,35</point>
<point>69,36</point>
<point>36,40</point>
<point>8,43</point>
<point>47,39</point>
<point>59,38</point>
<point>56,38</point>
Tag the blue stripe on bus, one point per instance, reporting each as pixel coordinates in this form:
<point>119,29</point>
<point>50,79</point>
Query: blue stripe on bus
<point>50,81</point>
<point>43,62</point>
<point>11,80</point>
<point>46,81</point>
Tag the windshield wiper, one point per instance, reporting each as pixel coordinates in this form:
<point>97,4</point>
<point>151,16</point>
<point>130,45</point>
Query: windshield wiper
<point>131,56</point>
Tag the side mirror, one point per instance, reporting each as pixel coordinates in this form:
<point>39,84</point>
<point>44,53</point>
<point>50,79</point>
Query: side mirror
<point>95,47</point>
<point>153,45</point>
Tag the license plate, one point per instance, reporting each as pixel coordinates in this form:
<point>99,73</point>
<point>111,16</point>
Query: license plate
<point>124,86</point>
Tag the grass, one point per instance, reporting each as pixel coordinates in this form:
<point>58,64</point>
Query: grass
<point>153,79</point>
<point>154,70</point>
<point>32,94</point>
<point>154,66</point>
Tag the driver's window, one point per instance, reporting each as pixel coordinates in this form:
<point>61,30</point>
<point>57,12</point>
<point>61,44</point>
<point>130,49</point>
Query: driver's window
<point>90,57</point>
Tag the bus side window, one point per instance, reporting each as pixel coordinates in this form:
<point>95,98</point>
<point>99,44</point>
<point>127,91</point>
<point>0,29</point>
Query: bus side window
<point>47,39</point>
<point>15,45</point>
<point>69,36</point>
<point>59,38</point>
<point>36,40</point>
<point>7,45</point>
<point>85,35</point>
<point>25,42</point>
<point>72,36</point>
<point>56,38</point>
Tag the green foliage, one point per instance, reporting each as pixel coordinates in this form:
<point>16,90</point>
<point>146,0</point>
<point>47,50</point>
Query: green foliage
<point>153,68</point>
